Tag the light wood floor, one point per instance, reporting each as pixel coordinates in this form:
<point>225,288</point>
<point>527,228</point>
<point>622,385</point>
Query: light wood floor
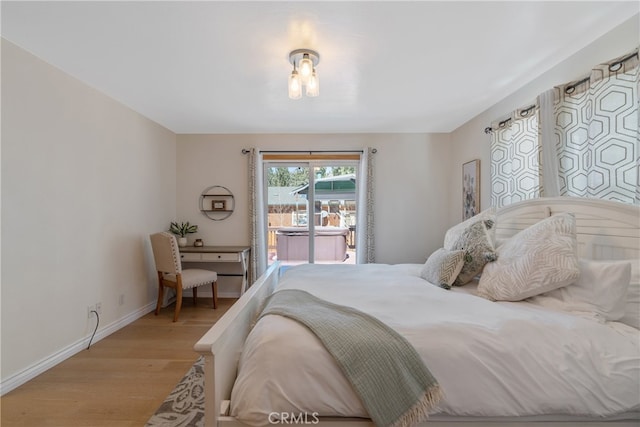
<point>121,380</point>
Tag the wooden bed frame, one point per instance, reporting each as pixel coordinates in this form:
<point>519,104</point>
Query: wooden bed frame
<point>606,230</point>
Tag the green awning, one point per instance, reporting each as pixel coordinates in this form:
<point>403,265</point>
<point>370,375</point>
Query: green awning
<point>341,187</point>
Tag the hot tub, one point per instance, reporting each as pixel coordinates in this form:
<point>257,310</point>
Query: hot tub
<point>292,243</point>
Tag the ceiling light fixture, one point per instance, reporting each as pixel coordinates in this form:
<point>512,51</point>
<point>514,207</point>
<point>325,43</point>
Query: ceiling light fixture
<point>304,73</point>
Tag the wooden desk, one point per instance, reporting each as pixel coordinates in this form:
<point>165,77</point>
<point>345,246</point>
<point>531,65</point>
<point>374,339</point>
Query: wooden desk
<point>237,254</point>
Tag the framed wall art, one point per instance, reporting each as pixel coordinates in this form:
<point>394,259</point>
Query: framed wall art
<point>218,205</point>
<point>470,189</point>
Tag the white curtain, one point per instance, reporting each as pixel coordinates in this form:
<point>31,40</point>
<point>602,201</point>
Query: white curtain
<point>257,208</point>
<point>515,158</point>
<point>548,143</point>
<point>596,126</point>
<point>365,243</point>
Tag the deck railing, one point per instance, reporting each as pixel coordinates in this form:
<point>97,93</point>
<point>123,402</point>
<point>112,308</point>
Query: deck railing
<point>351,237</point>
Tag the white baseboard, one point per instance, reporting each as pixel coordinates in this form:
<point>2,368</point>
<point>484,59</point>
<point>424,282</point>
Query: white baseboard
<point>37,368</point>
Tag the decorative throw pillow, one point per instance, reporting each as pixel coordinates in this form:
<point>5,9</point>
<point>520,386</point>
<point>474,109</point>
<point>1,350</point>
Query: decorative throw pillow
<point>443,267</point>
<point>538,259</point>
<point>488,216</point>
<point>478,249</point>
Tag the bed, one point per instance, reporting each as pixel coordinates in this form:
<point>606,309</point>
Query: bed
<point>604,231</point>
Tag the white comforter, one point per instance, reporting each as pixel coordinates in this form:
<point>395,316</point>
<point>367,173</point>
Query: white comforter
<point>491,359</point>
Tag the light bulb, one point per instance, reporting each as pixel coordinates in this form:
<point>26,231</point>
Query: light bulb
<point>295,86</point>
<point>313,86</point>
<point>306,68</point>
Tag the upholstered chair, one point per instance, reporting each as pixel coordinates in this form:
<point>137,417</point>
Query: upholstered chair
<point>170,273</point>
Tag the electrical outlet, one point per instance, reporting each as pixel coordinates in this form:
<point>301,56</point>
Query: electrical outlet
<point>90,308</point>
<point>121,299</point>
<point>99,307</point>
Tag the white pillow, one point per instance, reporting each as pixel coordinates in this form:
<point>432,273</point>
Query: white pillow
<point>632,308</point>
<point>538,259</point>
<point>600,292</point>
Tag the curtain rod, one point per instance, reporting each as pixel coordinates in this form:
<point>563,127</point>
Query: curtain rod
<point>523,113</point>
<point>245,151</point>
<point>613,67</point>
<point>569,89</point>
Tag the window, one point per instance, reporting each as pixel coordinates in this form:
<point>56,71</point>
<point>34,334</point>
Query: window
<point>352,212</point>
<point>329,187</point>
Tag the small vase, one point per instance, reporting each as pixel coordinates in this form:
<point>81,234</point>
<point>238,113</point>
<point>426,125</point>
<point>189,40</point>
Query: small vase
<point>182,242</point>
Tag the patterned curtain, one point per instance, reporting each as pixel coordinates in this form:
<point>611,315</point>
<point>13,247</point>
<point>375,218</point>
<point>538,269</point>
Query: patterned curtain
<point>597,133</point>
<point>257,224</point>
<point>515,158</point>
<point>365,242</point>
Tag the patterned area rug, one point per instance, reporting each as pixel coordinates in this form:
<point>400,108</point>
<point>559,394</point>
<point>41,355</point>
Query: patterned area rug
<point>184,407</point>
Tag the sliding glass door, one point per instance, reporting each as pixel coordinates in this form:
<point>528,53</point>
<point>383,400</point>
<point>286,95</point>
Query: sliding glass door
<point>311,211</point>
<point>287,211</point>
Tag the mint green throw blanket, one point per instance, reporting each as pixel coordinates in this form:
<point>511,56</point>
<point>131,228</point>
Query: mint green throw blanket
<point>385,370</point>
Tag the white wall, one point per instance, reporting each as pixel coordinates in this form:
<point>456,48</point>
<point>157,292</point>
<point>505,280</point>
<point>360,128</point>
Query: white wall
<point>470,142</point>
<point>84,181</point>
<point>409,187</point>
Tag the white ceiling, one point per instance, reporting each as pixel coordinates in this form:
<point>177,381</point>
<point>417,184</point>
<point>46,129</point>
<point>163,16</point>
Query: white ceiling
<point>222,67</point>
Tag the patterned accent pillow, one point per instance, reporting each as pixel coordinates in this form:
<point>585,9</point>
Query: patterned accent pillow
<point>443,267</point>
<point>476,242</point>
<point>487,215</point>
<point>538,259</point>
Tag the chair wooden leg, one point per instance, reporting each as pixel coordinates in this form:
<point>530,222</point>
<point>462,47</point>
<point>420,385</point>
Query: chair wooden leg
<point>160,293</point>
<point>195,295</point>
<point>178,297</point>
<point>214,289</point>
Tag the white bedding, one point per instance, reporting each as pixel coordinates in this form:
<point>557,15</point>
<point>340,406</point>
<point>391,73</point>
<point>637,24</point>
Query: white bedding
<point>491,359</point>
